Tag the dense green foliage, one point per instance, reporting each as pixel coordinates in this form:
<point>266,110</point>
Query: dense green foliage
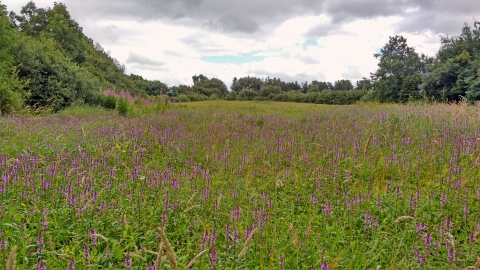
<point>452,75</point>
<point>47,62</point>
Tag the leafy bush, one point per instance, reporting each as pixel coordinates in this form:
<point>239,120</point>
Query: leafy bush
<point>107,102</point>
<point>248,94</point>
<point>123,107</point>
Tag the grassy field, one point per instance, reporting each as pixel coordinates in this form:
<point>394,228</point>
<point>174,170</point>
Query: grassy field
<point>246,185</point>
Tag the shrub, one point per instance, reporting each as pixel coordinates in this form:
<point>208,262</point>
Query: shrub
<point>107,102</point>
<point>123,107</point>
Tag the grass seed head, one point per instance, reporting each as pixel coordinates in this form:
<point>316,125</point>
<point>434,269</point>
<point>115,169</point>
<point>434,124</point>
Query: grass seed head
<point>11,258</point>
<point>169,249</point>
<point>294,235</point>
<point>402,218</point>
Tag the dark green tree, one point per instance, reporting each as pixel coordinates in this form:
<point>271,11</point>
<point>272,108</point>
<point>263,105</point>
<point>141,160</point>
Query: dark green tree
<point>209,87</point>
<point>454,73</point>
<point>343,85</point>
<point>397,62</point>
<point>363,84</point>
<point>11,89</point>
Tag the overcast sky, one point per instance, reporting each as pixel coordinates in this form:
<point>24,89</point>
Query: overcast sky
<point>303,40</point>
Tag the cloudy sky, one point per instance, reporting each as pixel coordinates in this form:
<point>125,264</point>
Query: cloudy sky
<point>303,40</point>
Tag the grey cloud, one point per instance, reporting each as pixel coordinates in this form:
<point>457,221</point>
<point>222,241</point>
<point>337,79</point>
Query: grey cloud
<point>309,60</point>
<point>246,16</point>
<point>344,10</point>
<point>233,23</point>
<point>352,73</point>
<point>438,16</point>
<point>143,62</point>
<point>435,22</point>
<point>324,30</point>
<point>197,42</point>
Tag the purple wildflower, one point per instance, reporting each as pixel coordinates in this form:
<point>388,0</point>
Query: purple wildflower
<point>281,260</point>
<point>428,240</point>
<point>41,266</point>
<point>128,261</point>
<point>71,265</point>
<point>419,257</point>
<point>421,227</point>
<point>327,208</point>
<point>93,237</point>
<point>451,255</point>
<point>213,258</point>
<point>86,252</point>
<point>448,223</point>
<point>324,265</point>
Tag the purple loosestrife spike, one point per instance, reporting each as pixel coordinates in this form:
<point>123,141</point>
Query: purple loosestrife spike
<point>451,255</point>
<point>71,265</point>
<point>327,208</point>
<point>86,252</point>
<point>281,260</point>
<point>93,237</point>
<point>213,258</point>
<point>421,227</point>
<point>428,241</point>
<point>41,266</point>
<point>128,261</point>
<point>324,265</point>
<point>466,210</point>
<point>150,267</point>
<point>205,239</point>
<point>448,223</point>
<point>419,257</point>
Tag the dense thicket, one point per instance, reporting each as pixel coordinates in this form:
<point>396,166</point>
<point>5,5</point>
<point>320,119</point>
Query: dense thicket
<point>47,62</point>
<point>453,74</point>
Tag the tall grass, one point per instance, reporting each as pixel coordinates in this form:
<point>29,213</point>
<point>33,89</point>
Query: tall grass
<point>245,184</point>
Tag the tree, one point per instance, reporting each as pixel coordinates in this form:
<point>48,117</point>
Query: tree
<point>245,83</point>
<point>397,61</point>
<point>454,73</point>
<point>268,89</point>
<point>363,84</point>
<point>343,85</point>
<point>208,87</point>
<point>11,89</point>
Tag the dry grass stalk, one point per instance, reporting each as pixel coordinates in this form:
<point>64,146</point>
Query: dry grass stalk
<point>378,267</point>
<point>449,239</point>
<point>402,218</point>
<point>245,245</point>
<point>196,258</point>
<point>368,144</point>
<point>11,258</point>
<point>191,207</point>
<point>191,198</point>
<point>168,248</point>
<point>101,236</point>
<point>476,234</point>
<point>294,235</point>
<point>278,183</point>
<point>158,262</point>
<point>478,147</point>
<point>477,263</point>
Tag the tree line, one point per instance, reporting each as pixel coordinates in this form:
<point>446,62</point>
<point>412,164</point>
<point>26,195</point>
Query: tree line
<point>46,61</point>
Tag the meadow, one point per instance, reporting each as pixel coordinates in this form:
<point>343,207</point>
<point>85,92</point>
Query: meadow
<point>242,185</point>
